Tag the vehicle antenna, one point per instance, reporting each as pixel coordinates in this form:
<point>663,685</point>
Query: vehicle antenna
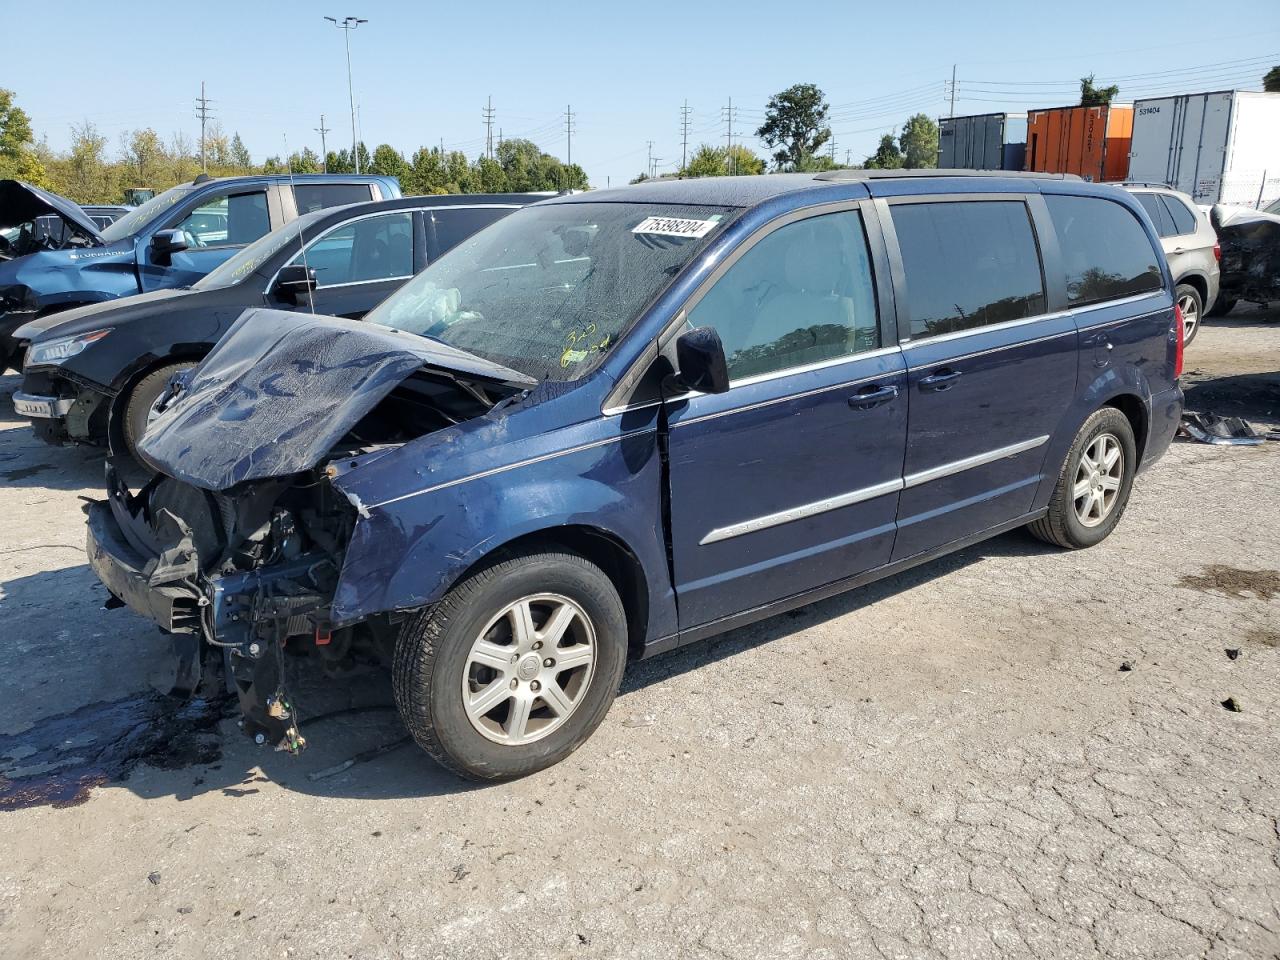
<point>302,247</point>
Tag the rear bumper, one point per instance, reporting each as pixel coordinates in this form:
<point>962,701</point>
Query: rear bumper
<point>1166,414</point>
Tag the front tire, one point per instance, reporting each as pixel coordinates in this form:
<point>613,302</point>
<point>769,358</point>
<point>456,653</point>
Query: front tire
<point>137,406</point>
<point>1093,488</point>
<point>515,668</point>
<point>1192,306</point>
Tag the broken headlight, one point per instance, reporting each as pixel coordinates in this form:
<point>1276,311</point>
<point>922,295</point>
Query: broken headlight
<point>59,349</point>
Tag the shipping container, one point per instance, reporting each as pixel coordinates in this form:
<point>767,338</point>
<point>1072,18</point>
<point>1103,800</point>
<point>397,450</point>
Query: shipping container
<point>988,141</point>
<point>1091,142</point>
<point>1221,147</point>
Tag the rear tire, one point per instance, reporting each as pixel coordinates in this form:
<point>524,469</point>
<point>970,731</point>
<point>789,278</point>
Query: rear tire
<point>138,404</point>
<point>481,680</point>
<point>1093,488</point>
<point>1221,307</point>
<point>1192,305</point>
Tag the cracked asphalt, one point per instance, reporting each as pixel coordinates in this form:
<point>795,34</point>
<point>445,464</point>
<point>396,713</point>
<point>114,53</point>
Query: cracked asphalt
<point>1011,752</point>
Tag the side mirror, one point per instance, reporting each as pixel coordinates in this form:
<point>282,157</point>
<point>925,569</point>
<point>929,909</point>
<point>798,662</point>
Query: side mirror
<point>700,361</point>
<point>293,280</point>
<point>165,243</point>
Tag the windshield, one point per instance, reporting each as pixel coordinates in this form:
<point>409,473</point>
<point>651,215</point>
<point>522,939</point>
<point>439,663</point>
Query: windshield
<point>130,224</point>
<point>259,252</point>
<point>550,289</point>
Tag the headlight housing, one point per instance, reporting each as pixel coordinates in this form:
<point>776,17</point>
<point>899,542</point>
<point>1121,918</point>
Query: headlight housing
<point>61,348</point>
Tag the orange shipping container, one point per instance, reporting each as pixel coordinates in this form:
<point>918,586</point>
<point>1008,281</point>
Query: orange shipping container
<point>1092,142</point>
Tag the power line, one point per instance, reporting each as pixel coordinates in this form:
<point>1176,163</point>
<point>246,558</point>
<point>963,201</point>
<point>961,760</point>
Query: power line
<point>203,113</point>
<point>487,111</point>
<point>1178,72</point>
<point>684,135</point>
<point>324,148</point>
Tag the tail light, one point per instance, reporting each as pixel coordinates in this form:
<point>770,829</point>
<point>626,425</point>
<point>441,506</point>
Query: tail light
<point>1180,337</point>
<point>1217,252</point>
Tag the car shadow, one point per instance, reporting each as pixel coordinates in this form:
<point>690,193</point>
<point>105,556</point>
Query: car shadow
<point>115,730</point>
<point>1253,396</point>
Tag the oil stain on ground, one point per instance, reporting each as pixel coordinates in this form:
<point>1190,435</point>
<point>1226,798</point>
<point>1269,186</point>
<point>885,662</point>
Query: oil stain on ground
<point>22,473</point>
<point>1234,582</point>
<point>61,759</point>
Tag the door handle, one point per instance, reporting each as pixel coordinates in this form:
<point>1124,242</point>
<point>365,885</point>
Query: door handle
<point>939,381</point>
<point>872,396</point>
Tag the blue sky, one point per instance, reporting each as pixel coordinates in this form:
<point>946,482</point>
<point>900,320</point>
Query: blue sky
<point>423,71</point>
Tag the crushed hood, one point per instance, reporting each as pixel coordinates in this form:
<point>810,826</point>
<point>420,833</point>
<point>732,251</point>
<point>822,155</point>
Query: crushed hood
<point>281,389</point>
<point>21,203</point>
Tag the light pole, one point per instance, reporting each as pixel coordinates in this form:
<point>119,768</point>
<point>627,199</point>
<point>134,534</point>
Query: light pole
<point>346,25</point>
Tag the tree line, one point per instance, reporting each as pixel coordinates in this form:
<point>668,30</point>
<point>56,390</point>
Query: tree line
<point>88,171</point>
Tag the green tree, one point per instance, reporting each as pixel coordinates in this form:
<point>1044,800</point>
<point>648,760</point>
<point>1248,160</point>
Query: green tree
<point>388,162</point>
<point>425,174</point>
<point>795,121</point>
<point>919,142</point>
<point>273,165</point>
<point>18,159</point>
<point>489,176</point>
<point>304,161</point>
<point>887,155</point>
<point>709,161</point>
<point>1271,80</point>
<point>143,157</point>
<point>1094,96</point>
<point>238,154</point>
<point>87,177</point>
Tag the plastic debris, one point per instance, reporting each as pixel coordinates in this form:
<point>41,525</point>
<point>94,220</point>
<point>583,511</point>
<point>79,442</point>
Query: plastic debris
<point>1227,431</point>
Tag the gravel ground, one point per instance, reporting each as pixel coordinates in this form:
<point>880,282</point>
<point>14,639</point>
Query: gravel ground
<point>1011,752</point>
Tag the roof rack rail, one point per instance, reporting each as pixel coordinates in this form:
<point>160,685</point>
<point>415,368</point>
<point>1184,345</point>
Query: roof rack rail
<point>838,175</point>
<point>1146,183</point>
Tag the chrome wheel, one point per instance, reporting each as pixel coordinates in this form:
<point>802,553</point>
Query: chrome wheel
<point>529,669</point>
<point>1190,315</point>
<point>1097,483</point>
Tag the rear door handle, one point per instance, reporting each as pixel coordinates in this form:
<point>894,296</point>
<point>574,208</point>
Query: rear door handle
<point>872,396</point>
<point>939,381</point>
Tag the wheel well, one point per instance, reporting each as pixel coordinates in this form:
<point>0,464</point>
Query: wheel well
<point>1136,413</point>
<point>1193,280</point>
<point>608,553</point>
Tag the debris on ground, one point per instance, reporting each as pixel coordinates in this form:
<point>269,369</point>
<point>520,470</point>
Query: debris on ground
<point>1232,652</point>
<point>1234,581</point>
<point>1211,428</point>
<point>153,878</point>
<point>1232,704</point>
<point>1126,666</point>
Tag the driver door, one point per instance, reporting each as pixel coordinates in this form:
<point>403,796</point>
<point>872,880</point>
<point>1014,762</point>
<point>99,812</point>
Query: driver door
<point>216,225</point>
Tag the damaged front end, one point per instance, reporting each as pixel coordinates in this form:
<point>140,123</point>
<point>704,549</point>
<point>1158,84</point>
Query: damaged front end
<point>236,546</point>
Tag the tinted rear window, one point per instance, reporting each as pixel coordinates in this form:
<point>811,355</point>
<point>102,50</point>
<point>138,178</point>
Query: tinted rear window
<point>968,264</point>
<point>1157,212</point>
<point>1184,221</point>
<point>451,227</point>
<point>317,196</point>
<point>1105,251</point>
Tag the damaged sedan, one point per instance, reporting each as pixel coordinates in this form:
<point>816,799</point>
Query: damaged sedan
<point>618,422</point>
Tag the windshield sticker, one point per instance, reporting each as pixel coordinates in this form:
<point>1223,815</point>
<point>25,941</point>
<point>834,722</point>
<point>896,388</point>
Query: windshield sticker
<point>674,227</point>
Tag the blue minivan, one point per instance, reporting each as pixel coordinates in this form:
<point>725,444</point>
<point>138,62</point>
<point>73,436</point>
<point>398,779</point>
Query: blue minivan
<point>618,422</point>
<point>172,240</point>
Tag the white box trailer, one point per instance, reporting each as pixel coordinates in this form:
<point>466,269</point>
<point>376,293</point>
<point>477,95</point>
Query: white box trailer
<point>1221,147</point>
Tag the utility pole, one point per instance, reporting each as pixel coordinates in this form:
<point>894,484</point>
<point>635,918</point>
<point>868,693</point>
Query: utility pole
<point>684,135</point>
<point>729,114</point>
<point>488,129</point>
<point>568,134</point>
<point>953,91</point>
<point>648,163</point>
<point>203,113</point>
<point>346,25</point>
<point>848,158</point>
<point>324,148</point>
<point>833,149</point>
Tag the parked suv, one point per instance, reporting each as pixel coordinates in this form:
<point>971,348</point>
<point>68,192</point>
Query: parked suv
<point>615,423</point>
<point>93,374</point>
<point>1191,247</point>
<point>172,240</point>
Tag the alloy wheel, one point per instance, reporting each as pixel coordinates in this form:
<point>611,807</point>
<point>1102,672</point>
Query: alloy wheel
<point>529,669</point>
<point>1098,478</point>
<point>1190,315</point>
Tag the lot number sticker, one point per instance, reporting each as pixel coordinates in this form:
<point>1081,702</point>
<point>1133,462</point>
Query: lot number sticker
<point>674,227</point>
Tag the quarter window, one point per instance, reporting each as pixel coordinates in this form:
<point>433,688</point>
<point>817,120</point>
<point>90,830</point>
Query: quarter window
<point>1184,221</point>
<point>227,220</point>
<point>1157,212</point>
<point>451,227</point>
<point>968,264</point>
<point>317,196</point>
<point>375,248</point>
<point>802,294</point>
<point>1105,251</point>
